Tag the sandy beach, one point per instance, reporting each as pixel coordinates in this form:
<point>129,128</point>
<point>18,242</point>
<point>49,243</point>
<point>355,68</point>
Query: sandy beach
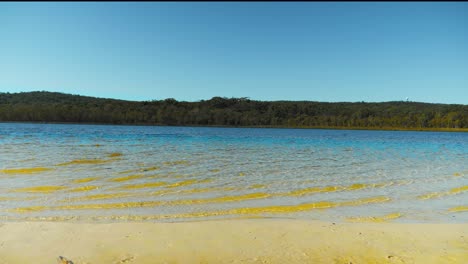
<point>233,241</point>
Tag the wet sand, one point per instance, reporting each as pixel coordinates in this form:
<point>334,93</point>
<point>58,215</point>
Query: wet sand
<point>233,241</point>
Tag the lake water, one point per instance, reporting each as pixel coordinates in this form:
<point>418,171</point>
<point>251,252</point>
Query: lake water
<point>144,173</point>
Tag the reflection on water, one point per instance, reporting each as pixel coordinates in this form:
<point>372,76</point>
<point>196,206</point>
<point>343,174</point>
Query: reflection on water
<point>111,173</point>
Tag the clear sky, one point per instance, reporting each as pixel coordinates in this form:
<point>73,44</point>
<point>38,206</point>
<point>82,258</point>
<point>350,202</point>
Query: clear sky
<point>318,51</point>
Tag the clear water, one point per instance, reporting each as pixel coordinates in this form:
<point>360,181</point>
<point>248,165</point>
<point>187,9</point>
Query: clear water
<point>143,173</point>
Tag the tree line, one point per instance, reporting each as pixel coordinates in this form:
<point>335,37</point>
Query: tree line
<point>221,111</point>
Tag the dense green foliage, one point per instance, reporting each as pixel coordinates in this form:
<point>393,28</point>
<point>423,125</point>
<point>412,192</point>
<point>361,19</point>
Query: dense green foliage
<point>58,107</point>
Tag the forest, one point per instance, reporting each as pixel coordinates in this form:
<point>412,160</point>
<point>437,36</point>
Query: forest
<point>52,107</point>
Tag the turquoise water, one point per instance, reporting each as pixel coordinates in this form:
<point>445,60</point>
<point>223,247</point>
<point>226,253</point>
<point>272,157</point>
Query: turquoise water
<point>129,173</point>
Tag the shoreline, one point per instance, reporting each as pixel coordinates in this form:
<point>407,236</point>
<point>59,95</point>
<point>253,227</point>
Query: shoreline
<point>233,241</point>
<point>459,130</point>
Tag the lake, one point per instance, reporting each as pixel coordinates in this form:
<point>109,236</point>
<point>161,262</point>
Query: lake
<point>151,173</point>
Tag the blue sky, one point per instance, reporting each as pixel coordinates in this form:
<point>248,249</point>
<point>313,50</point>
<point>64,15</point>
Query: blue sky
<point>314,51</point>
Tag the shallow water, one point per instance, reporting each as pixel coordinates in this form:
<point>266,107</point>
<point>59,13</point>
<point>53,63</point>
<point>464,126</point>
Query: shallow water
<point>126,173</point>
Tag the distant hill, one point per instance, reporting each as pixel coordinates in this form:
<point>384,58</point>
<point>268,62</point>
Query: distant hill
<point>218,111</point>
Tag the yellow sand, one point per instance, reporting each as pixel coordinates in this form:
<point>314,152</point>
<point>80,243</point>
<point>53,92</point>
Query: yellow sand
<point>182,183</point>
<point>143,185</point>
<point>459,189</point>
<point>375,219</point>
<point>462,208</point>
<point>84,161</point>
<point>101,196</point>
<point>127,178</point>
<point>147,185</point>
<point>25,170</point>
<point>257,186</point>
<point>236,211</point>
<point>84,188</point>
<point>107,196</point>
<point>83,180</point>
<point>40,189</point>
<point>353,187</point>
<point>233,241</point>
<point>452,191</point>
